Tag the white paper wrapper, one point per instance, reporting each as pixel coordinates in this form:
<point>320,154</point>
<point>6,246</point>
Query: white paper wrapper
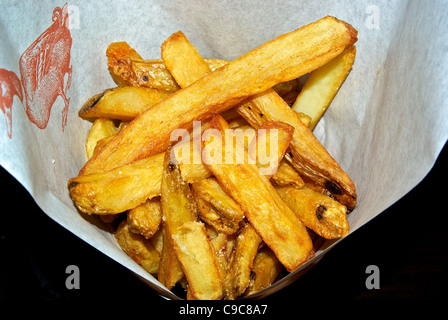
<point>385,127</point>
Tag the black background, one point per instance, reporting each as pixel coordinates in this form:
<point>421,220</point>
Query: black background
<point>407,242</point>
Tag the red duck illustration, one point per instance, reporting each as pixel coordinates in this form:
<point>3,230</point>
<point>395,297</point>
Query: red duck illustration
<point>9,87</point>
<point>45,72</point>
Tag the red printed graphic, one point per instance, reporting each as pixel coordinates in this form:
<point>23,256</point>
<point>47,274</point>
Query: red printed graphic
<point>45,74</point>
<point>9,87</point>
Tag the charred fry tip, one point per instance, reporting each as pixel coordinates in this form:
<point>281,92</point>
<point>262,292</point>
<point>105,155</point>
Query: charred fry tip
<point>71,184</point>
<point>332,187</point>
<point>319,211</point>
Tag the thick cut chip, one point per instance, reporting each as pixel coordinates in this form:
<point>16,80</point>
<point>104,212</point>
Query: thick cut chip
<point>216,207</point>
<point>120,189</point>
<point>306,153</point>
<point>266,269</point>
<point>269,145</point>
<point>122,103</point>
<point>320,213</point>
<point>286,175</point>
<point>187,67</point>
<point>138,248</point>
<point>101,128</point>
<point>188,235</point>
<point>282,59</point>
<point>145,219</point>
<point>170,269</point>
<point>273,220</point>
<point>128,69</point>
<point>323,84</point>
<point>241,262</point>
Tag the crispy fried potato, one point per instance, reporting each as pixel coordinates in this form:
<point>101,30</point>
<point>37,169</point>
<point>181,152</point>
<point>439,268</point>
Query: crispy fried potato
<point>320,213</point>
<point>282,59</point>
<point>119,55</point>
<point>286,175</point>
<point>304,118</point>
<point>188,235</point>
<point>145,219</point>
<point>288,90</point>
<point>138,248</point>
<point>185,68</point>
<point>273,220</point>
<point>241,262</point>
<point>306,153</point>
<point>266,269</point>
<point>170,269</point>
<point>101,128</point>
<point>269,145</point>
<point>128,69</point>
<point>219,242</point>
<point>120,189</point>
<point>306,149</point>
<point>323,84</point>
<point>216,207</point>
<point>122,103</point>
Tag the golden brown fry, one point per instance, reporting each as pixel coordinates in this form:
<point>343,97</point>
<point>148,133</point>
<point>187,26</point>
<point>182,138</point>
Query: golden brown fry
<point>320,213</point>
<point>270,144</point>
<point>241,262</point>
<point>266,269</point>
<point>102,142</point>
<point>306,153</point>
<point>100,129</point>
<point>219,242</point>
<point>157,240</point>
<point>216,207</point>
<point>323,84</point>
<point>185,68</point>
<point>138,248</point>
<point>210,191</point>
<point>120,189</point>
<point>129,69</point>
<point>113,191</point>
<point>286,175</point>
<point>282,59</point>
<point>145,219</point>
<point>288,90</point>
<point>304,118</point>
<point>188,235</point>
<point>170,269</point>
<point>122,103</point>
<point>278,226</point>
<point>119,55</point>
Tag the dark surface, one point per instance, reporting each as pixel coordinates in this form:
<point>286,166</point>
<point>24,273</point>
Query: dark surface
<point>407,242</point>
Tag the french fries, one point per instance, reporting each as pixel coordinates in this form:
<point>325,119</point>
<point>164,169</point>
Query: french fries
<point>145,219</point>
<point>187,235</point>
<point>127,68</point>
<point>265,270</point>
<point>241,262</point>
<point>216,207</point>
<point>306,153</point>
<point>322,214</point>
<point>101,128</point>
<point>323,84</point>
<point>122,103</point>
<point>138,248</point>
<point>273,220</point>
<point>219,183</point>
<point>149,133</point>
